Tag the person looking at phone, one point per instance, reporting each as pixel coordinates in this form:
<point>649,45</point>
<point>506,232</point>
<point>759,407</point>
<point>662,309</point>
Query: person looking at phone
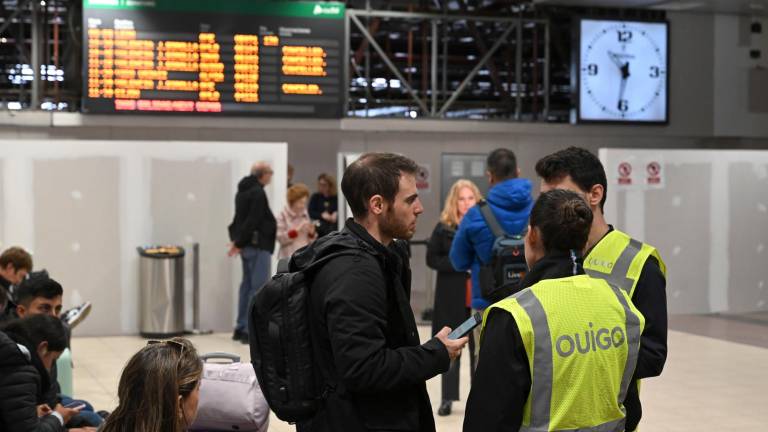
<point>560,354</point>
<point>294,228</point>
<point>28,349</point>
<point>39,294</point>
<point>364,335</point>
<point>324,205</point>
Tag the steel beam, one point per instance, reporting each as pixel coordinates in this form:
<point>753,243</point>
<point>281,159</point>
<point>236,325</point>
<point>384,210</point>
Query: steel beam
<point>19,8</point>
<point>547,59</point>
<point>519,70</point>
<point>435,16</point>
<point>36,53</point>
<point>345,71</point>
<point>476,69</point>
<point>433,110</point>
<point>388,62</point>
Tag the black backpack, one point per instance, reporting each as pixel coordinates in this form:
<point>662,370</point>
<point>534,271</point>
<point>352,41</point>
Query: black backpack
<point>280,342</point>
<point>502,276</point>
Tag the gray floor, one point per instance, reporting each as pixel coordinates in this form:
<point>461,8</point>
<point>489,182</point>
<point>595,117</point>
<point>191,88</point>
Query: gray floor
<point>749,329</point>
<point>715,378</point>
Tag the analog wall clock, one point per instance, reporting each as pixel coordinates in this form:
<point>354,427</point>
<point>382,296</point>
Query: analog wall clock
<point>623,71</point>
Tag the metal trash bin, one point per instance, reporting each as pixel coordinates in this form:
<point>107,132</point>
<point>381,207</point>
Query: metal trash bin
<point>161,291</point>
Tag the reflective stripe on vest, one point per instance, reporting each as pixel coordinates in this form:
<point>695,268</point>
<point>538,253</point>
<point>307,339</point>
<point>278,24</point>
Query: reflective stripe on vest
<point>542,382</point>
<point>611,426</point>
<point>618,275</point>
<point>619,259</point>
<point>633,343</point>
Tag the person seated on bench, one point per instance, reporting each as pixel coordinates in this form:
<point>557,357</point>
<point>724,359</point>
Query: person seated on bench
<point>41,295</point>
<point>159,389</point>
<point>28,349</point>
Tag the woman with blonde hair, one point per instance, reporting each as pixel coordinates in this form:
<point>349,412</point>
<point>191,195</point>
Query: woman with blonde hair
<point>158,390</point>
<point>451,288</point>
<point>294,228</point>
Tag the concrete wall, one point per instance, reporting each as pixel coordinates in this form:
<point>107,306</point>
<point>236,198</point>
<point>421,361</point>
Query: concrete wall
<point>732,90</point>
<point>707,219</point>
<point>83,206</point>
<point>312,148</point>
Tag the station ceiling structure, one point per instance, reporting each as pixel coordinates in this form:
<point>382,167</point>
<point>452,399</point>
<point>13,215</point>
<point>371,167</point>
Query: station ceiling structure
<point>472,59</point>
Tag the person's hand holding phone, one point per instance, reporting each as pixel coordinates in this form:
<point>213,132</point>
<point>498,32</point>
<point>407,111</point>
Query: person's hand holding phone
<point>68,412</point>
<point>454,346</point>
<point>43,410</point>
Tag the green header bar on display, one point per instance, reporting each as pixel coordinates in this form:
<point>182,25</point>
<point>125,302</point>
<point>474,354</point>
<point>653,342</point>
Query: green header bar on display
<point>302,9</point>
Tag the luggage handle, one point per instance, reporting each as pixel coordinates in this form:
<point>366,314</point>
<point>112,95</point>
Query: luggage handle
<point>220,355</point>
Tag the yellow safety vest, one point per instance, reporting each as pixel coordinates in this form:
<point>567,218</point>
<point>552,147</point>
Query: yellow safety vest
<point>582,337</point>
<point>619,259</point>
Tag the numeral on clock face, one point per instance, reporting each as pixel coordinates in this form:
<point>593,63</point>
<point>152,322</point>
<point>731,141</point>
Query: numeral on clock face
<point>625,36</point>
<point>592,69</point>
<point>655,72</point>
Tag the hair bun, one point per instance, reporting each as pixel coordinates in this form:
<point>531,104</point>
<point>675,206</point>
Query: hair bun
<point>575,214</point>
<point>564,219</point>
<point>574,210</point>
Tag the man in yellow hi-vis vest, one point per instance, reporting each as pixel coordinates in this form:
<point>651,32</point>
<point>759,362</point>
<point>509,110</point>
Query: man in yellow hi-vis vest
<point>626,263</point>
<point>559,355</point>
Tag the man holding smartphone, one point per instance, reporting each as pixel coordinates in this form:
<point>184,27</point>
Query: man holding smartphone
<point>364,334</point>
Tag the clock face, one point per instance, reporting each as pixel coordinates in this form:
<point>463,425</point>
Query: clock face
<point>623,71</point>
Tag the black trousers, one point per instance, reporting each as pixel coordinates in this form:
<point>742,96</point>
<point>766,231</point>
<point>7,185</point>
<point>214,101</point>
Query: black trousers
<point>450,379</point>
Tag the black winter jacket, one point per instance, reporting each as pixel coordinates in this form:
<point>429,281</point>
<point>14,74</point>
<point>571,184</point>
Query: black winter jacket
<point>22,382</point>
<point>7,305</point>
<point>252,214</point>
<point>451,287</point>
<point>365,337</point>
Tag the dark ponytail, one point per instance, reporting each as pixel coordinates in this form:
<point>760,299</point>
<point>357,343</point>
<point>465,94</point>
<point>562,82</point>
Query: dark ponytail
<point>564,219</point>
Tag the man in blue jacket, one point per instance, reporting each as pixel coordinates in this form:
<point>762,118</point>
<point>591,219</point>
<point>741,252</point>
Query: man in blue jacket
<point>510,200</point>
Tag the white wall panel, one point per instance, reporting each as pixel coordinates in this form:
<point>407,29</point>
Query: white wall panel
<point>83,207</point>
<point>709,222</point>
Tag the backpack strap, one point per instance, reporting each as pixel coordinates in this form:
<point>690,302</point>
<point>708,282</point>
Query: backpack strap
<point>322,261</point>
<point>490,219</point>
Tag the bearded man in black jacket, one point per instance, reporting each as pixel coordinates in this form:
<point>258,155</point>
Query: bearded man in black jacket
<point>364,334</point>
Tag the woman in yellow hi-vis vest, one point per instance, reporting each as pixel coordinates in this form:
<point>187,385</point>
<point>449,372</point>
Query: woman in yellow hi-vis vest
<point>559,355</point>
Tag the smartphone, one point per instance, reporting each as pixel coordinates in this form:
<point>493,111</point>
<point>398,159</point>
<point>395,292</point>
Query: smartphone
<point>75,405</point>
<point>466,327</point>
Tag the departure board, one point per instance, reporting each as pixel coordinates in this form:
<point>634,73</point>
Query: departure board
<point>236,57</point>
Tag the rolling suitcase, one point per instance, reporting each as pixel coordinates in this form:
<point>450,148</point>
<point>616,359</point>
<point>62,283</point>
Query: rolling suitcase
<point>230,397</point>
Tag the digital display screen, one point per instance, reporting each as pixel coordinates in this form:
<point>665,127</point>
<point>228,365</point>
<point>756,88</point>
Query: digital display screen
<point>623,71</point>
<point>237,57</point>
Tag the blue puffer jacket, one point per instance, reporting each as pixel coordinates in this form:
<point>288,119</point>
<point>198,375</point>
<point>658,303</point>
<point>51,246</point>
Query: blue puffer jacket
<point>511,202</point>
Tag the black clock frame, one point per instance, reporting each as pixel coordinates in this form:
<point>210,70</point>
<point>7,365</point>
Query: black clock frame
<point>576,72</point>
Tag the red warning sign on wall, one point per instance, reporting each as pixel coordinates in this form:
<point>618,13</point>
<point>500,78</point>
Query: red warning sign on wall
<point>625,174</point>
<point>654,173</point>
<point>423,178</point>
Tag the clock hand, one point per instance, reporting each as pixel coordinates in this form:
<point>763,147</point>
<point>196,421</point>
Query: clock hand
<point>615,59</point>
<point>625,71</point>
<point>622,88</point>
